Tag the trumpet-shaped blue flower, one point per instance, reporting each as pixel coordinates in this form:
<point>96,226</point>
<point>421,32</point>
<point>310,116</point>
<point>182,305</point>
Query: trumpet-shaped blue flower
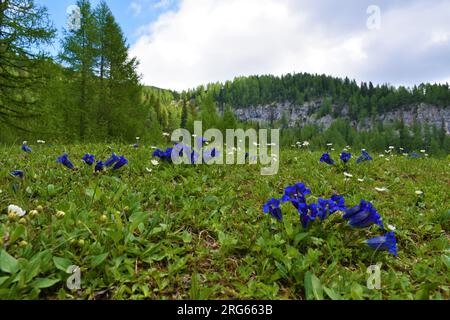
<point>114,158</point>
<point>296,195</point>
<point>26,148</point>
<point>99,166</point>
<point>89,159</point>
<point>64,160</point>
<point>17,174</point>
<point>327,159</point>
<point>363,216</point>
<point>364,157</point>
<point>345,157</point>
<point>120,163</point>
<point>273,207</point>
<point>164,155</point>
<point>387,242</point>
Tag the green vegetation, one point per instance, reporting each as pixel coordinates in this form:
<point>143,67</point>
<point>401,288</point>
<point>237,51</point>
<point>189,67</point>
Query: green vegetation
<point>199,232</point>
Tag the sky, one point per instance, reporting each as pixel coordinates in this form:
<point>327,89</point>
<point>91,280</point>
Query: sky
<point>185,43</point>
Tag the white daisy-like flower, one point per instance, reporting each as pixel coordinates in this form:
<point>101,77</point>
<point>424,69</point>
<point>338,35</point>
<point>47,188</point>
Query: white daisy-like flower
<point>391,147</point>
<point>25,142</point>
<point>165,134</point>
<point>363,150</point>
<point>348,175</point>
<point>149,170</point>
<point>419,192</point>
<point>332,149</point>
<point>391,227</point>
<point>16,210</point>
<point>153,147</point>
<point>40,142</point>
<point>381,155</point>
<point>384,189</point>
<point>401,149</point>
<point>329,144</point>
<point>138,138</point>
<point>306,143</point>
<point>423,151</point>
<point>155,162</point>
<point>361,180</point>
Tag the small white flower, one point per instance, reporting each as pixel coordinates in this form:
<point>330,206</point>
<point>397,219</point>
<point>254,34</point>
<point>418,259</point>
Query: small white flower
<point>194,135</point>
<point>153,147</point>
<point>155,162</point>
<point>384,189</point>
<point>332,149</point>
<point>427,155</point>
<point>381,155</point>
<point>40,142</point>
<point>419,193</point>
<point>15,210</point>
<point>25,142</point>
<point>405,154</point>
<point>348,175</point>
<point>165,134</point>
<point>361,180</point>
<point>391,227</point>
<point>401,149</point>
<point>329,144</point>
<point>138,138</point>
<point>423,151</point>
<point>149,170</point>
<point>391,147</point>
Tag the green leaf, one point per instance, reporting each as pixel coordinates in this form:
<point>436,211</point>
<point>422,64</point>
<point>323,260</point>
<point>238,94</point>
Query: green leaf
<point>8,263</point>
<point>51,189</point>
<point>42,283</point>
<point>18,233</point>
<point>356,291</point>
<point>332,294</point>
<point>98,260</point>
<point>187,237</point>
<point>62,263</point>
<point>313,287</point>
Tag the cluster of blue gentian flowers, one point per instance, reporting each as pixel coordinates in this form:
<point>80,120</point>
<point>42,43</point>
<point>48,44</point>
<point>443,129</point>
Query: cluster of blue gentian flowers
<point>361,216</point>
<point>114,162</point>
<point>180,150</point>
<point>345,158</point>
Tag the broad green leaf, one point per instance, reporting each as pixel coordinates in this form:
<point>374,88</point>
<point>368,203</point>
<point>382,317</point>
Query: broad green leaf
<point>187,237</point>
<point>8,263</point>
<point>62,263</point>
<point>313,287</point>
<point>97,260</point>
<point>19,232</point>
<point>332,294</point>
<point>356,291</point>
<point>43,283</point>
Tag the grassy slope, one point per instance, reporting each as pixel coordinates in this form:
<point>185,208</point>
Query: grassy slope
<point>199,232</point>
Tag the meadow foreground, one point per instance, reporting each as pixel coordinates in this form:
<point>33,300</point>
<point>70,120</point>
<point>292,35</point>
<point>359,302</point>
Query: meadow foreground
<point>160,231</point>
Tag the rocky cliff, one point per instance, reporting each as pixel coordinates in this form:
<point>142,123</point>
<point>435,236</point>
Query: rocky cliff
<point>299,115</point>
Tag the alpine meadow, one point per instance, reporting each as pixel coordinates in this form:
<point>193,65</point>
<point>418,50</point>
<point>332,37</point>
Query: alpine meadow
<point>100,199</point>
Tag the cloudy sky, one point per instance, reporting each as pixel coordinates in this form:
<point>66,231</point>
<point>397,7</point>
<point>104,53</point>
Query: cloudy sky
<point>185,43</point>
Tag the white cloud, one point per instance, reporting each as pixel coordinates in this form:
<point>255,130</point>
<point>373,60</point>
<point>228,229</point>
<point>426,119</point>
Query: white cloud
<point>216,40</point>
<point>136,8</point>
<point>163,4</point>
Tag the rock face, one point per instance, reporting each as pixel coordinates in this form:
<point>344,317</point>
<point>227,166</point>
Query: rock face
<point>306,114</point>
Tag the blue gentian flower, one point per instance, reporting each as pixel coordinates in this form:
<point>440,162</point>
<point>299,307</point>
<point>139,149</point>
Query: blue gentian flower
<point>345,157</point>
<point>338,204</point>
<point>17,174</point>
<point>114,158</point>
<point>365,157</point>
<point>120,163</point>
<point>136,145</point>
<point>164,155</point>
<point>210,154</point>
<point>387,242</point>
<point>363,216</point>
<point>194,157</point>
<point>327,159</point>
<point>273,207</point>
<point>64,160</point>
<point>99,166</point>
<point>89,159</point>
<point>201,142</point>
<point>26,148</point>
<point>296,195</point>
